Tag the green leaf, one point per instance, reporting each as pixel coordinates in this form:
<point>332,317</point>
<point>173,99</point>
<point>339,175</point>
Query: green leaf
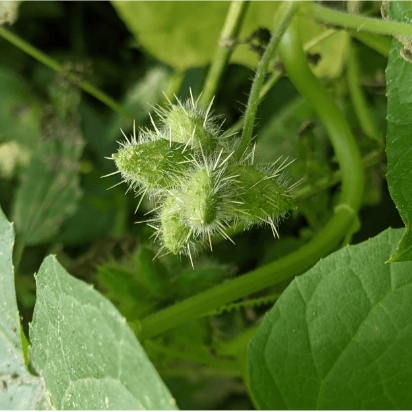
<point>49,191</point>
<point>87,354</point>
<point>174,32</point>
<point>398,141</point>
<point>339,336</point>
<point>20,110</point>
<point>18,389</point>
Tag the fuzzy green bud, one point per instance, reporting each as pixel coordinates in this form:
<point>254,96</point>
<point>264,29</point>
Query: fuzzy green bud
<point>157,164</point>
<point>200,200</point>
<point>259,195</point>
<point>187,125</point>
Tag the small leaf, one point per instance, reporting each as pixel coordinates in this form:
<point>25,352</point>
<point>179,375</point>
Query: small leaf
<point>86,352</point>
<point>49,191</point>
<point>398,142</point>
<point>339,336</point>
<point>18,389</point>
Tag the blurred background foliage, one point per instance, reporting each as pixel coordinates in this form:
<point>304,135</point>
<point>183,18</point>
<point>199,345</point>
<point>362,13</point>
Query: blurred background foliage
<point>54,137</point>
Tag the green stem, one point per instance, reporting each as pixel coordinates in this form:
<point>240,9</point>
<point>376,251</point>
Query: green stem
<point>357,22</point>
<point>283,18</point>
<point>359,99</point>
<point>323,243</point>
<point>230,31</point>
<point>56,66</point>
<point>339,132</point>
<point>276,75</point>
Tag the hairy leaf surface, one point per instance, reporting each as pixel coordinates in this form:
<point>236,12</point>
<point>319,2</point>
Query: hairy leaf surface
<point>339,336</point>
<point>18,388</point>
<point>88,355</point>
<point>398,142</point>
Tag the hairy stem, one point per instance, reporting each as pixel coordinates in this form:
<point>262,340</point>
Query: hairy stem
<point>357,22</point>
<point>230,31</point>
<point>283,18</point>
<point>56,66</point>
<point>276,75</point>
<point>323,243</point>
<point>359,99</point>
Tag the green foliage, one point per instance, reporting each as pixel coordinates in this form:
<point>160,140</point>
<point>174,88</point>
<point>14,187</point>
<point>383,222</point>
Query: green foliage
<point>338,336</point>
<point>399,78</point>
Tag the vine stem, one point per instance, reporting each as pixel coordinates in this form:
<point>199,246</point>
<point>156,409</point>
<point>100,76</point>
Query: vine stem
<point>283,18</point>
<point>56,66</point>
<point>324,242</point>
<point>357,22</point>
<point>276,75</point>
<point>230,31</point>
<point>359,99</point>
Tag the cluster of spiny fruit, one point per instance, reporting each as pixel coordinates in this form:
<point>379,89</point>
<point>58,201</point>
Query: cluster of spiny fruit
<point>199,185</point>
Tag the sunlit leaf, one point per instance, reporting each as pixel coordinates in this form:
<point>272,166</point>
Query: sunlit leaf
<point>86,352</point>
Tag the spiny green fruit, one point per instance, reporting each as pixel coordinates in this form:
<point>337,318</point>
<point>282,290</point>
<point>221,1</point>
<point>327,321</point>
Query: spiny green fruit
<point>176,235</point>
<point>201,190</point>
<point>260,197</point>
<point>156,164</point>
<point>187,123</point>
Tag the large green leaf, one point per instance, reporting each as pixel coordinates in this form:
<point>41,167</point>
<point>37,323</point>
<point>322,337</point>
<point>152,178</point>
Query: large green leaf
<point>18,388</point>
<point>339,336</point>
<point>399,137</point>
<point>87,354</point>
<point>185,34</point>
